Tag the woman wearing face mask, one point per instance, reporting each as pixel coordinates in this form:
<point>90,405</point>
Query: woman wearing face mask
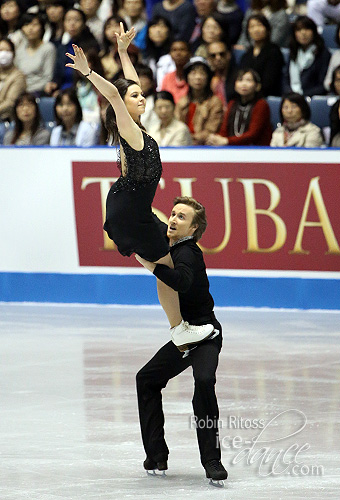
<point>12,80</point>
<point>129,219</point>
<point>28,130</point>
<point>36,58</point>
<point>296,129</point>
<point>247,118</point>
<point>200,110</point>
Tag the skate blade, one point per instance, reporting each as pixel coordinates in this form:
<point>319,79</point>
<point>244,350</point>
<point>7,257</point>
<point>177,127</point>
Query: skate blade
<point>217,483</point>
<point>156,473</point>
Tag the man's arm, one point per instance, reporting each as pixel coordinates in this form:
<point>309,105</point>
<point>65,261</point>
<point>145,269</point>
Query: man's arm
<point>181,277</point>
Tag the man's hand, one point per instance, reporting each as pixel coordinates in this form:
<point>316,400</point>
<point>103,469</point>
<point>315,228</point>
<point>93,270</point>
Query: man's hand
<point>150,266</point>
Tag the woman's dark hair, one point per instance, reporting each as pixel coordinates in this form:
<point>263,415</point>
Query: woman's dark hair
<point>334,120</point>
<point>9,42</point>
<point>106,43</point>
<point>264,21</point>
<point>300,101</point>
<point>335,71</point>
<point>122,85</point>
<point>28,18</point>
<point>151,50</point>
<point>274,5</point>
<point>3,24</point>
<point>220,20</point>
<point>55,3</point>
<point>306,23</point>
<point>164,94</point>
<point>144,70</point>
<point>18,126</point>
<point>72,95</point>
<point>80,12</point>
<point>257,79</point>
<point>194,63</point>
<point>337,36</point>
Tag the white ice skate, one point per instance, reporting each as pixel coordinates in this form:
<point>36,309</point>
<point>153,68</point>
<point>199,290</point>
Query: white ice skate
<point>184,335</point>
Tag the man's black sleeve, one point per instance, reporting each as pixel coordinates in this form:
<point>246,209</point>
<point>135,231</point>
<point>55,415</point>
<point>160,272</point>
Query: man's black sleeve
<point>182,276</point>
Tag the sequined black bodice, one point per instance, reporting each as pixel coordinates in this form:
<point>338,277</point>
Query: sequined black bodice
<point>142,167</point>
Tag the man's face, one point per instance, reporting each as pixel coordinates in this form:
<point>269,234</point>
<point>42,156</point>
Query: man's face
<point>218,56</point>
<point>180,222</point>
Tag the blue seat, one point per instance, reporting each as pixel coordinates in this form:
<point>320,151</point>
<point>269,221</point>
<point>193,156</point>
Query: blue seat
<point>328,34</point>
<point>274,106</point>
<point>46,108</point>
<point>320,106</point>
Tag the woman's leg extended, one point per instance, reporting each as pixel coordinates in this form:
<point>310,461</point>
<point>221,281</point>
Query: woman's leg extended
<point>168,297</point>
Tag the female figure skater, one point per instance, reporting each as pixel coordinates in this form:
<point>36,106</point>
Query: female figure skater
<point>130,222</point>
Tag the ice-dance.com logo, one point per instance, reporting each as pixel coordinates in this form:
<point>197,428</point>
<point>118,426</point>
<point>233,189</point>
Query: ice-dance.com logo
<point>270,451</point>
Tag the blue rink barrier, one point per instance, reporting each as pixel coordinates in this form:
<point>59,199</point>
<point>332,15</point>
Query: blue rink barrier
<point>228,291</point>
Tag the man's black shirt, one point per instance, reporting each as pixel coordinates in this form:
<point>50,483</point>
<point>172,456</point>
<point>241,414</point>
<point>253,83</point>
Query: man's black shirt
<point>189,279</point>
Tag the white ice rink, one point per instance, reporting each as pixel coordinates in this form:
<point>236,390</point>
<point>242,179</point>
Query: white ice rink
<point>68,416</point>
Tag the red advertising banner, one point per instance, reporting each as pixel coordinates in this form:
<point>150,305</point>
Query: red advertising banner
<point>280,216</point>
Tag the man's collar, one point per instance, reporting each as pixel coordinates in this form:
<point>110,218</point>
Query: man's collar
<point>185,238</point>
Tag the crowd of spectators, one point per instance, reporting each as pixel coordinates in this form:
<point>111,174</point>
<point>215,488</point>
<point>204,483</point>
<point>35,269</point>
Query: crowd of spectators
<point>209,69</point>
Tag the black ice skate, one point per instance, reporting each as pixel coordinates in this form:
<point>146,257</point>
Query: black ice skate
<point>215,471</point>
<point>155,468</point>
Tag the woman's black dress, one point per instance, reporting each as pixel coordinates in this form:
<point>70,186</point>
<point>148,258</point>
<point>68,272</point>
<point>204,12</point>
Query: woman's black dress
<point>130,222</point>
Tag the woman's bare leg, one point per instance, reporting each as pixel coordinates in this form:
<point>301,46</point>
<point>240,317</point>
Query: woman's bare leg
<point>168,297</point>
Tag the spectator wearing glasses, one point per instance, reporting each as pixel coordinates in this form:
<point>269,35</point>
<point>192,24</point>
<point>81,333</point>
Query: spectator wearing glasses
<point>223,65</point>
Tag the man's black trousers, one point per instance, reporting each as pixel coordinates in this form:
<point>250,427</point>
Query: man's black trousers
<point>154,376</point>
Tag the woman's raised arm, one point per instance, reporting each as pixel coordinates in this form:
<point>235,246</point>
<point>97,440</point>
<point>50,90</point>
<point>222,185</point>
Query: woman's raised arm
<point>123,41</point>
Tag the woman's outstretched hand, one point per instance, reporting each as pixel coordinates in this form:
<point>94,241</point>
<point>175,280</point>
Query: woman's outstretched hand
<point>79,60</point>
<point>124,39</point>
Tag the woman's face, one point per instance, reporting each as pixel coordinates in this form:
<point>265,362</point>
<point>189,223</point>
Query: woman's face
<point>337,82</point>
<point>211,31</point>
<point>180,53</point>
<point>304,36</point>
<point>158,33</point>
<point>66,110</point>
<point>135,101</point>
<point>55,13</point>
<point>9,11</point>
<point>197,78</point>
<point>111,29</point>
<point>133,8</point>
<point>257,31</point>
<point>73,23</point>
<point>246,86</point>
<point>164,110</point>
<point>291,112</point>
<point>32,31</point>
<point>26,111</point>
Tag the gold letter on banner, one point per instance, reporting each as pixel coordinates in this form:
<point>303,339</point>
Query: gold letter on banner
<point>252,212</point>
<point>104,184</point>
<point>186,187</point>
<point>314,190</point>
<point>227,222</point>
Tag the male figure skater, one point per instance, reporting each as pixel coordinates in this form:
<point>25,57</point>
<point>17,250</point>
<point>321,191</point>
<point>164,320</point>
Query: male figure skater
<point>186,225</point>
